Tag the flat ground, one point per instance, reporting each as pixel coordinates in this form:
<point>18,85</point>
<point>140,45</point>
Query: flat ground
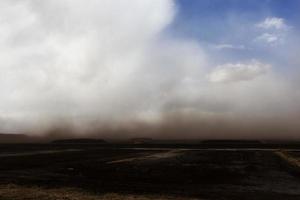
<point>112,172</point>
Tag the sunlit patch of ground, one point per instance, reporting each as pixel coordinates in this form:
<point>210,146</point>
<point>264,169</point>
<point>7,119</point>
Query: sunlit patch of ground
<point>14,192</point>
<point>291,160</point>
<point>156,156</point>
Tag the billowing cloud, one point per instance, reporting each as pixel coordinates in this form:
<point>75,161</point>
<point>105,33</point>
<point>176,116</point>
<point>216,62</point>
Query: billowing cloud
<point>238,72</point>
<point>80,61</point>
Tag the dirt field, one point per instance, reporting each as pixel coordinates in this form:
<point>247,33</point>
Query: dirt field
<point>111,172</point>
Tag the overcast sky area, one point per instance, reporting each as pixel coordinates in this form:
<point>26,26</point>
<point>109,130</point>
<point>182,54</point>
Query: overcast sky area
<point>161,68</point>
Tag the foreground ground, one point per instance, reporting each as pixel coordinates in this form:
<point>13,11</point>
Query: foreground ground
<point>46,172</point>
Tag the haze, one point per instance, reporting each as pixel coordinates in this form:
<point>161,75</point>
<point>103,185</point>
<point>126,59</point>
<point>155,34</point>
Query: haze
<point>150,68</point>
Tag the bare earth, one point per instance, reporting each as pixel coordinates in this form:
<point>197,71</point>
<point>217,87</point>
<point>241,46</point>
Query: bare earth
<point>77,172</point>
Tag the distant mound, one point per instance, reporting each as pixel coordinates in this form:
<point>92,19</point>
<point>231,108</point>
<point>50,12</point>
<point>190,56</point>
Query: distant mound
<point>141,140</point>
<point>80,141</point>
<point>14,138</point>
<point>231,142</point>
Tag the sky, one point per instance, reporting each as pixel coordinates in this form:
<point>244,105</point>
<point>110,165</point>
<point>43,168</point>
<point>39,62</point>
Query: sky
<point>234,25</point>
<point>151,68</point>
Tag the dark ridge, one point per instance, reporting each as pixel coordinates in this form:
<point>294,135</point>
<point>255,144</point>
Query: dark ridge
<point>231,142</point>
<point>141,141</point>
<point>80,141</point>
<point>14,138</point>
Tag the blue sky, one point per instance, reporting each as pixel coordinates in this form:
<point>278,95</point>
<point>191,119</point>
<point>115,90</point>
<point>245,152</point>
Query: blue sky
<point>233,23</point>
<point>206,18</point>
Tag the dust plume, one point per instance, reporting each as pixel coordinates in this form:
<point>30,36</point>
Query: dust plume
<point>111,69</point>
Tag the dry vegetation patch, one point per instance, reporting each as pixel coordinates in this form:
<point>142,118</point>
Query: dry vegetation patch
<point>15,192</point>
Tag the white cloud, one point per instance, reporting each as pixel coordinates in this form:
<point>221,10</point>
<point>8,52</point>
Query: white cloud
<point>272,23</point>
<point>270,38</point>
<point>274,31</point>
<point>229,46</point>
<point>238,72</point>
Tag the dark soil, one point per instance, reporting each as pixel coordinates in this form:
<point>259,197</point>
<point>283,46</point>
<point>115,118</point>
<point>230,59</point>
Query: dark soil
<point>203,173</point>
